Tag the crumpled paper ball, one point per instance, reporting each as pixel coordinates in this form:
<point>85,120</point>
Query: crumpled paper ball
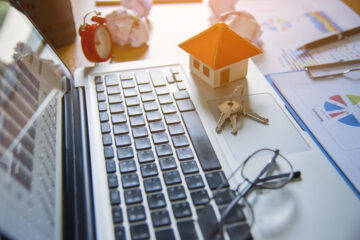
<point>127,28</point>
<point>141,7</point>
<point>218,7</point>
<point>244,24</point>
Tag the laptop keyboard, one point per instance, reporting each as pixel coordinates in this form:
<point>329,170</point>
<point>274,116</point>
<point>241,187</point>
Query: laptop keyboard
<point>161,167</point>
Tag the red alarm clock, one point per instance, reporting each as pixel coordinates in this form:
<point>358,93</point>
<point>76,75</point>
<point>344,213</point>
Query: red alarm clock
<point>96,39</point>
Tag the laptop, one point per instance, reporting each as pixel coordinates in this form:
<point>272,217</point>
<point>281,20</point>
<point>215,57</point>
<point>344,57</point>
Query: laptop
<point>129,150</point>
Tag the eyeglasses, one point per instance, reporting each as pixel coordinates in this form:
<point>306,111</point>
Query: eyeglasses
<point>258,171</point>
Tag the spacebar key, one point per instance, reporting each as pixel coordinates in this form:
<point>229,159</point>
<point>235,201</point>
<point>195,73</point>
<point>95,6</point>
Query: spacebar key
<point>200,141</point>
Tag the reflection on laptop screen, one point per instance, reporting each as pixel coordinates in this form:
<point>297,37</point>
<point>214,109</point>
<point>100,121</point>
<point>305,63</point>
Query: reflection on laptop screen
<point>30,85</point>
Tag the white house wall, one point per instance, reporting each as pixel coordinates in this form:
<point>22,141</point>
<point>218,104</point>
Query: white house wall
<point>209,80</point>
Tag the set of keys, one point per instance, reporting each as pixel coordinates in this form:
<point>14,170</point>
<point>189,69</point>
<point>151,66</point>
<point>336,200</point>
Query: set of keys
<point>230,110</point>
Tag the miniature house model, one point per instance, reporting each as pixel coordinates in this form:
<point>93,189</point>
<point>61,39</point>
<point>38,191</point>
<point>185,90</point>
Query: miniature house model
<point>219,55</point>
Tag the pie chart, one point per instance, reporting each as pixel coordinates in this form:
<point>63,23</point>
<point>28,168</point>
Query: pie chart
<point>342,108</point>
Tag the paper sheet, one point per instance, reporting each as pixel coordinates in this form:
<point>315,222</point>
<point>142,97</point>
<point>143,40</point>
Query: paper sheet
<point>330,108</point>
<point>288,24</point>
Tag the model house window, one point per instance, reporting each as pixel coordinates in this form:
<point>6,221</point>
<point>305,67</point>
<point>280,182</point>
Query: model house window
<point>225,76</point>
<point>196,64</point>
<point>206,71</point>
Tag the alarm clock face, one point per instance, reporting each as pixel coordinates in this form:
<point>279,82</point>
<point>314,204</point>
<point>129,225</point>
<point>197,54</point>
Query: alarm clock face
<point>102,42</point>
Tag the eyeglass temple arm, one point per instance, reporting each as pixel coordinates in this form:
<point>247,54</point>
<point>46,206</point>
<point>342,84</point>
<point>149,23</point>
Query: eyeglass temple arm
<point>243,193</point>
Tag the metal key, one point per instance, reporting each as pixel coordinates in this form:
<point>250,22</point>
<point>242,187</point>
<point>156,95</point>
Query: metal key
<point>227,109</point>
<point>254,116</point>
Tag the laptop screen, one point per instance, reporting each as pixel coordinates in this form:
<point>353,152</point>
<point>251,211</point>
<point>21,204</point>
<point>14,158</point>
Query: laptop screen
<point>30,135</point>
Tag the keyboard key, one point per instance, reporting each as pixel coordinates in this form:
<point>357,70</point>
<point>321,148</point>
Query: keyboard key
<point>207,221</point>
<point>201,142</point>
<point>189,167</point>
<point>117,108</point>
<point>166,234</point>
<point>176,129</point>
<point>145,88</point>
<point>114,197</point>
<point>115,98</point>
<point>127,166</point>
<point>185,105</point>
<point>132,101</point>
<point>139,132</point>
<point>105,127</point>
<point>156,200</point>
<point>100,88</point>
<point>176,193</point>
<point>112,181</point>
<point>108,152</point>
<point>175,70</point>
<point>139,232</point>
<point>134,111</point>
<point>130,180</point>
<point>102,106</point>
<point>172,118</point>
<point>118,118</point>
<point>142,144</point>
<point>200,197</point>
<point>181,209</point>
<point>181,86</point>
<point>239,232</point>
<point>125,153</point>
<point>136,213</point>
<point>107,139</point>
<point>133,196</point>
<point>104,117</point>
<point>178,77</point>
<point>179,95</point>
<point>130,92</point>
<point>122,140</point>
<point>159,138</point>
<point>163,90</point>
<point>163,150</point>
<point>170,79</point>
<point>147,97</point>
<point>160,218</point>
<point>146,156</point>
<point>236,214</point>
<point>184,154</point>
<point>119,233</point>
<point>152,185</point>
<point>150,106</point>
<point>187,230</point>
<point>126,76</point>
<point>216,179</point>
<point>101,97</point>
<point>157,126</point>
<point>168,108</point>
<point>149,170</point>
<point>110,166</point>
<point>153,116</point>
<point>180,141</point>
<point>194,181</point>
<point>113,90</point>
<point>111,80</point>
<point>142,77</point>
<point>98,79</point>
<point>157,78</point>
<point>224,197</point>
<point>167,163</point>
<point>117,215</point>
<point>137,121</point>
<point>127,83</point>
<point>172,177</point>
<point>121,128</point>
<point>165,99</point>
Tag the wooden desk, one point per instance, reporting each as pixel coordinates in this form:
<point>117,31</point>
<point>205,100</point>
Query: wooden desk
<point>170,24</point>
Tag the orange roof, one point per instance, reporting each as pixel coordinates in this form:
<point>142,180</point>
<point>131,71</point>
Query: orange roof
<point>219,46</point>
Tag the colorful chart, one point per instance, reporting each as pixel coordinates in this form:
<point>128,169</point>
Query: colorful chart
<point>276,24</point>
<point>337,108</point>
<point>322,22</point>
